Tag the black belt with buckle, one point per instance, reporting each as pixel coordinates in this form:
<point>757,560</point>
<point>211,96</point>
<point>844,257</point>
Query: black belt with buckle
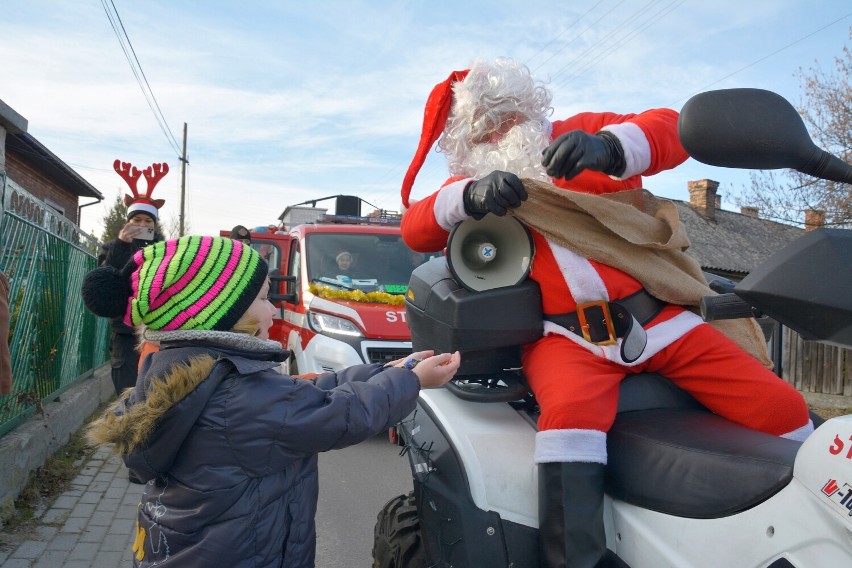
<point>602,322</point>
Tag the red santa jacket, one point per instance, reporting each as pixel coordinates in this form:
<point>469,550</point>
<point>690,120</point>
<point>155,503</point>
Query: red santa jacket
<point>651,145</point>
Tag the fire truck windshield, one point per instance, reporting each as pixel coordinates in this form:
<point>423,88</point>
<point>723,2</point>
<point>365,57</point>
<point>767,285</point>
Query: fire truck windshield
<point>363,261</point>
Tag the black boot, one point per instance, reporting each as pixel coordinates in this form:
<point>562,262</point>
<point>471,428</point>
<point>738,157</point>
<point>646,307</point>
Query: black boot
<point>570,514</point>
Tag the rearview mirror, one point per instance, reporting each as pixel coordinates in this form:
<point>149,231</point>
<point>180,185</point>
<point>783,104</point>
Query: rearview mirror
<point>278,287</point>
<point>753,129</point>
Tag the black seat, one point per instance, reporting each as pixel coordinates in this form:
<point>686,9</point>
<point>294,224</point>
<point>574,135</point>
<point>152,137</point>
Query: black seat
<point>668,454</point>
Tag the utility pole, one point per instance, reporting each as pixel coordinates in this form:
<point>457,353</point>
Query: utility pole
<point>183,163</point>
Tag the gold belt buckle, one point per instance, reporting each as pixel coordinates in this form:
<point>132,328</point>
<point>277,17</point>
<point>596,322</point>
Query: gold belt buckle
<point>584,325</point>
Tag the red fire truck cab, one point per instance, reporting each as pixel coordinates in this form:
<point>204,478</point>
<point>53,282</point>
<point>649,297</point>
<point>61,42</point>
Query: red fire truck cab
<point>332,315</point>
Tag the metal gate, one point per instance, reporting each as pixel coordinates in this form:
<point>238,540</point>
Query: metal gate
<point>54,340</point>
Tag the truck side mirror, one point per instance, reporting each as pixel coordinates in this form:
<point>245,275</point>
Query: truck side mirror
<point>278,287</point>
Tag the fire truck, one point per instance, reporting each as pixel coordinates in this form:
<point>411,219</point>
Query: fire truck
<point>331,318</point>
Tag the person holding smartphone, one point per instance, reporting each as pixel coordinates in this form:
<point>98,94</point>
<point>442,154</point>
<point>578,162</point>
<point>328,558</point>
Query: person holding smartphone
<point>141,230</point>
<point>140,227</point>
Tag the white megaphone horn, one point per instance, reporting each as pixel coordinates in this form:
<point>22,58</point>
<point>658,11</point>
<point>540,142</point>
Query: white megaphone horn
<point>493,252</point>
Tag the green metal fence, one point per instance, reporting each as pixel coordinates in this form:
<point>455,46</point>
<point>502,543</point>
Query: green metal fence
<point>55,342</point>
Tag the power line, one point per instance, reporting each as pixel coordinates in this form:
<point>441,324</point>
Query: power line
<point>613,40</point>
<point>578,36</point>
<point>765,57</point>
<point>624,40</point>
<point>560,34</point>
<point>138,73</point>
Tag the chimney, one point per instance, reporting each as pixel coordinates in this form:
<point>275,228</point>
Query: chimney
<point>814,219</point>
<point>750,211</point>
<point>702,197</point>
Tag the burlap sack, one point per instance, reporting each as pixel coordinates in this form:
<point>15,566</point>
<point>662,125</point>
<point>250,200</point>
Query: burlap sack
<point>637,233</point>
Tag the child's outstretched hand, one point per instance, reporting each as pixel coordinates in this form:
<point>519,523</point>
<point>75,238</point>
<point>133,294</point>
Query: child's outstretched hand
<point>432,370</point>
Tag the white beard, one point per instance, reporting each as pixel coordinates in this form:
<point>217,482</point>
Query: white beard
<point>518,152</point>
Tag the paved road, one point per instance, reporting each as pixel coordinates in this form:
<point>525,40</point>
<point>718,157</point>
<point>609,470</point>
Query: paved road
<point>91,524</point>
<point>354,484</point>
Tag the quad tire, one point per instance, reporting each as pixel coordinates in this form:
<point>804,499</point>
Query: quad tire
<point>397,540</point>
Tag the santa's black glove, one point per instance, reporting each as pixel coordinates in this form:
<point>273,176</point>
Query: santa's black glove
<point>576,151</point>
<point>495,193</point>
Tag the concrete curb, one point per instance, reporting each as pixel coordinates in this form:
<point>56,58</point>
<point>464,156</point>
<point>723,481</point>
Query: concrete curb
<point>26,448</point>
<point>827,400</point>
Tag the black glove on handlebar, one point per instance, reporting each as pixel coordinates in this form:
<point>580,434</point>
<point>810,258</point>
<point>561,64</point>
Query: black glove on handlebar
<point>495,193</point>
<point>576,151</point>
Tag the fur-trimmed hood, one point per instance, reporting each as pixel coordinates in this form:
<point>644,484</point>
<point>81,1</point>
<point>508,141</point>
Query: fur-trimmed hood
<point>148,423</point>
<point>128,425</point>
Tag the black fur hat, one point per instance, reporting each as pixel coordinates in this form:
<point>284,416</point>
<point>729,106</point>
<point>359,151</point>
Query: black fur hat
<point>106,290</point>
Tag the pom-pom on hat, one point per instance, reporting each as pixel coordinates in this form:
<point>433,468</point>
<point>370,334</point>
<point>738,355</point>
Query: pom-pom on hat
<point>438,107</point>
<point>106,291</point>
<point>204,283</point>
<point>142,203</point>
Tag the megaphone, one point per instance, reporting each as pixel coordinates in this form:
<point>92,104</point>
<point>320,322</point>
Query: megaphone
<point>492,252</point>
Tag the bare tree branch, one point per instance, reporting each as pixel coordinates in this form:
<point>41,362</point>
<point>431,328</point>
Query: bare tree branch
<point>827,112</point>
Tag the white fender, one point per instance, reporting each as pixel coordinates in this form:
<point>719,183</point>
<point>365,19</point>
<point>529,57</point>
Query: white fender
<point>824,466</point>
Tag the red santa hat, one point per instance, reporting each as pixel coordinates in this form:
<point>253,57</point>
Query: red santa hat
<point>434,120</point>
<point>142,203</point>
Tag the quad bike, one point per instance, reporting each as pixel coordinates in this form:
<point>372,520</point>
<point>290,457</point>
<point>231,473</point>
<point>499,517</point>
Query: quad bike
<point>684,487</point>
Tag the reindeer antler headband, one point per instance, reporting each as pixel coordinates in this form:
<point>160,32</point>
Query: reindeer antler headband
<point>136,202</point>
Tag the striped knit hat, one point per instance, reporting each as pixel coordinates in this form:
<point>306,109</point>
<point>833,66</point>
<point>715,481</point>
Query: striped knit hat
<point>204,283</point>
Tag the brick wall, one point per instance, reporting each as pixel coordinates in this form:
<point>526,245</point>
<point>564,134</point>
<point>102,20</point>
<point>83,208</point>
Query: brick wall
<point>41,187</point>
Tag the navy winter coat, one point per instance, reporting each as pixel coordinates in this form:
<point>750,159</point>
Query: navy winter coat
<point>230,448</point>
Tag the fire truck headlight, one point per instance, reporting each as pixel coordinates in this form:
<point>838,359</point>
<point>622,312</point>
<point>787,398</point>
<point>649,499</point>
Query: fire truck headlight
<point>332,325</point>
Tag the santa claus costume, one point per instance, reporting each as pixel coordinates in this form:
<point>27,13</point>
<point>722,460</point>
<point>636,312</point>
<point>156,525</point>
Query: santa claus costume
<point>492,123</point>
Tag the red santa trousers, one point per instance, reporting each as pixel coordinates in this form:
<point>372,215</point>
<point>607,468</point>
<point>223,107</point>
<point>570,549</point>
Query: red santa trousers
<point>577,390</point>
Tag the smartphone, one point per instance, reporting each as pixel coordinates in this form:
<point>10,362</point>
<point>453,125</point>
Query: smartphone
<point>145,234</point>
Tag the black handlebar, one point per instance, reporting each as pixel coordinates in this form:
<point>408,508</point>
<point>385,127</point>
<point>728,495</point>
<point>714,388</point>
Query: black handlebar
<point>727,306</point>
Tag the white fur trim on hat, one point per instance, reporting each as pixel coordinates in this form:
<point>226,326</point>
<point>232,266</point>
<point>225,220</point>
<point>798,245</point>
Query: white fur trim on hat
<point>344,253</point>
<point>144,208</point>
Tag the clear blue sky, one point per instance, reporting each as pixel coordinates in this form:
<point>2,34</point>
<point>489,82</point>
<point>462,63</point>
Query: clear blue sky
<point>287,101</point>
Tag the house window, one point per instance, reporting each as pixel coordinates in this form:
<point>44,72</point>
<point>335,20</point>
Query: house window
<point>54,205</point>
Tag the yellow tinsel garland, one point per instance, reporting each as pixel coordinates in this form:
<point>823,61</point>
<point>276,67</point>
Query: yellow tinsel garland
<point>357,295</point>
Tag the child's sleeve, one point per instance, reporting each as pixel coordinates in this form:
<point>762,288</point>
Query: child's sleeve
<point>341,409</point>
